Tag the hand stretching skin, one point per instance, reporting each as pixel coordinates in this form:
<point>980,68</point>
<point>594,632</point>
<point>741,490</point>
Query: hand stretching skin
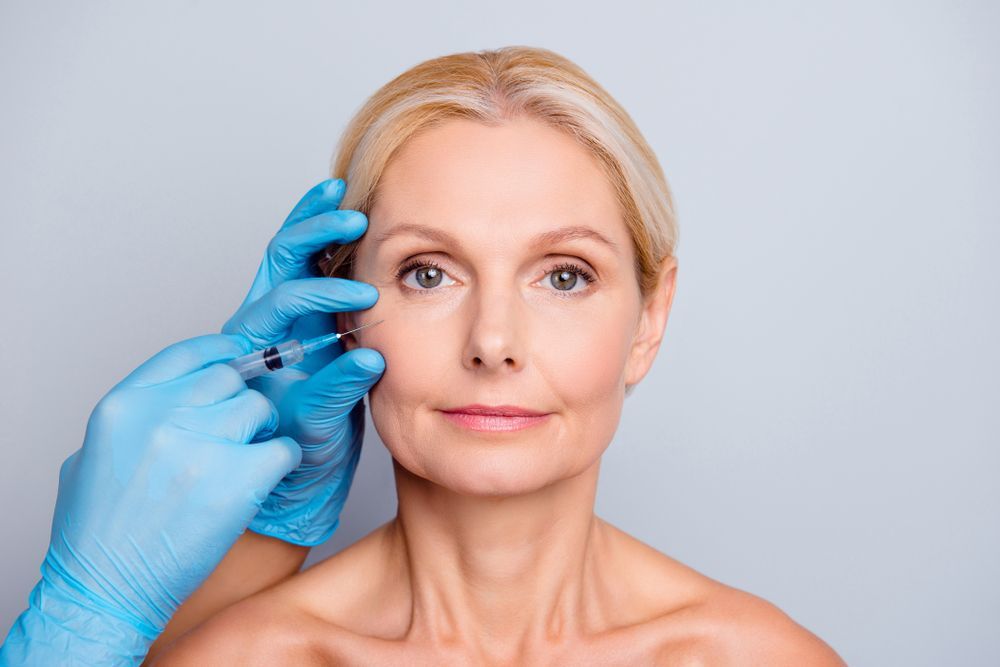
<point>318,399</point>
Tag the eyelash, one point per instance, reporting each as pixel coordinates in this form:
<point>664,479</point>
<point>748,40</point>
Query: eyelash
<point>563,266</point>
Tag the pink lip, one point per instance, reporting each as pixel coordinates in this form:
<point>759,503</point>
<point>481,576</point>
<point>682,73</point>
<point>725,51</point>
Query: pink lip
<point>494,417</point>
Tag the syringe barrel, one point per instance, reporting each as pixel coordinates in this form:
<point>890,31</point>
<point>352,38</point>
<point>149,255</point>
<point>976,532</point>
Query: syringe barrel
<point>269,359</point>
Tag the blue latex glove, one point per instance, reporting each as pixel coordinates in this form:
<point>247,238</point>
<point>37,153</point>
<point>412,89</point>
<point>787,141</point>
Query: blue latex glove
<point>319,399</point>
<point>164,484</point>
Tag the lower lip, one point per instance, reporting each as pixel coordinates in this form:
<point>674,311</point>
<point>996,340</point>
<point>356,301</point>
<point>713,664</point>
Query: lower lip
<point>494,422</point>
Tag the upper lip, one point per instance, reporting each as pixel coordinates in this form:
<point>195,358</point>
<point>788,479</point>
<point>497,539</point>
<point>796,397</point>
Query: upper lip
<point>501,410</point>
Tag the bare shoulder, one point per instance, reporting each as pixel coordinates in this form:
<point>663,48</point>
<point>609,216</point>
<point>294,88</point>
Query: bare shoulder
<point>330,611</point>
<point>687,618</point>
<point>733,627</point>
<point>256,631</point>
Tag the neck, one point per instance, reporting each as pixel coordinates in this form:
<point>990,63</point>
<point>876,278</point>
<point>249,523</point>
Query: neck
<point>502,573</point>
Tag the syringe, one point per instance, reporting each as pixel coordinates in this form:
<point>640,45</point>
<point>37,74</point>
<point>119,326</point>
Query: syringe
<point>284,354</point>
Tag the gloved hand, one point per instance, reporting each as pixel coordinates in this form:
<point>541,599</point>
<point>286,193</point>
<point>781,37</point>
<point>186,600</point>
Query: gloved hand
<point>164,484</point>
<point>319,399</point>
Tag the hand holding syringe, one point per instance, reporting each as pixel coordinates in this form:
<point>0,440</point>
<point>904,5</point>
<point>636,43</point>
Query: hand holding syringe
<point>285,354</point>
<point>183,453</point>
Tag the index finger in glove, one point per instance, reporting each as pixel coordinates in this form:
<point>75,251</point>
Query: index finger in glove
<point>270,318</point>
<point>289,251</point>
<point>322,197</point>
<point>246,416</point>
<point>185,357</point>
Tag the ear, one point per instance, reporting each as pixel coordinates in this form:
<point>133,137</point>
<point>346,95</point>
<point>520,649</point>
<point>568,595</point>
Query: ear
<point>652,322</point>
<point>346,322</point>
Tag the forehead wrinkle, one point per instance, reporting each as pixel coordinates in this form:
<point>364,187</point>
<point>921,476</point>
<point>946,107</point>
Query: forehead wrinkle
<point>540,240</point>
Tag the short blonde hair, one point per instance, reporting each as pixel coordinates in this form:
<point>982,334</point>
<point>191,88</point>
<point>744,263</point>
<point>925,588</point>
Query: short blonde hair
<point>492,86</point>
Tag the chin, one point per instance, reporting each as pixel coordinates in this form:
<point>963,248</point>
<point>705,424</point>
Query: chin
<point>490,477</point>
<point>490,467</point>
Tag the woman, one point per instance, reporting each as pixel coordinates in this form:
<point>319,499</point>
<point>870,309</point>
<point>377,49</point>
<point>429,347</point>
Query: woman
<point>521,235</point>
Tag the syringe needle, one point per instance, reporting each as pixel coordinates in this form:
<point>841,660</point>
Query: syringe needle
<point>322,341</point>
<point>340,335</point>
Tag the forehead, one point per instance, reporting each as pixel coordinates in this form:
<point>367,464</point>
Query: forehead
<point>513,180</point>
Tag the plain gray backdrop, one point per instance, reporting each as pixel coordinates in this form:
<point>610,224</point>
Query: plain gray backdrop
<point>820,427</point>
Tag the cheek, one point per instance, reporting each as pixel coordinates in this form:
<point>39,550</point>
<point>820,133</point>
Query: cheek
<point>583,353</point>
<point>584,363</point>
<point>414,361</point>
<point>416,349</point>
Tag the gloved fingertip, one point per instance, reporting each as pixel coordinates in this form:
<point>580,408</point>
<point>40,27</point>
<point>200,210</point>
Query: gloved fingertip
<point>335,187</point>
<point>288,452</point>
<point>368,360</point>
<point>274,458</point>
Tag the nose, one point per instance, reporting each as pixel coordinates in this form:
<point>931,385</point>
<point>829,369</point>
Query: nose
<point>494,342</point>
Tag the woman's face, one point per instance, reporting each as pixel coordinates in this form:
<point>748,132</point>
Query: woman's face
<point>496,289</point>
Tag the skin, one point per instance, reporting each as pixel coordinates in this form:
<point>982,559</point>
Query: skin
<point>496,556</point>
<point>254,562</point>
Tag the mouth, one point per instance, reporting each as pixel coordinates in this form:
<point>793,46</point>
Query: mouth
<point>494,417</point>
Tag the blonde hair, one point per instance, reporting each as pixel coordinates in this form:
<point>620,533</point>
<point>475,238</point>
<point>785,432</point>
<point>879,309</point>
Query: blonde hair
<point>493,86</point>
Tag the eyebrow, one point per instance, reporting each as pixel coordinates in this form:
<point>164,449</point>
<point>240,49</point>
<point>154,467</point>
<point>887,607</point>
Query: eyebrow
<point>550,237</point>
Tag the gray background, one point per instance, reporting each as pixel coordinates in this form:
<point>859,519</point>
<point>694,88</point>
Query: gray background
<point>820,427</point>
